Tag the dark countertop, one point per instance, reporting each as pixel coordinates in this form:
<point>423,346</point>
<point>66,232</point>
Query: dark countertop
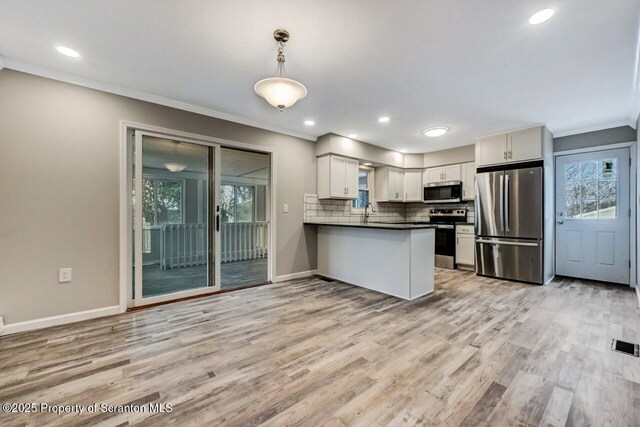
<point>381,225</point>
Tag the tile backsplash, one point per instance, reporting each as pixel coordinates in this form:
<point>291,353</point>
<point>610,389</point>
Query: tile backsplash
<point>326,210</point>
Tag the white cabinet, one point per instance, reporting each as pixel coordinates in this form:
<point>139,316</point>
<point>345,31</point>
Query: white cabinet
<point>442,174</point>
<point>389,184</point>
<point>337,177</point>
<point>465,247</point>
<point>413,185</point>
<point>510,147</point>
<point>525,145</point>
<point>468,181</point>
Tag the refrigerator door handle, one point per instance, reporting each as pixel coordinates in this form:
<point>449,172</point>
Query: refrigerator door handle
<point>501,202</point>
<point>507,210</point>
<point>503,242</point>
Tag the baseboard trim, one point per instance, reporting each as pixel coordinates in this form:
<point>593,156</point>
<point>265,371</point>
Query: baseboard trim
<point>62,319</point>
<point>298,275</point>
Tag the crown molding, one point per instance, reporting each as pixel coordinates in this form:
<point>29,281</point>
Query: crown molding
<point>594,128</point>
<point>50,73</point>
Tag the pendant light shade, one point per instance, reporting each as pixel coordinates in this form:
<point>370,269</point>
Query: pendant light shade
<point>280,91</point>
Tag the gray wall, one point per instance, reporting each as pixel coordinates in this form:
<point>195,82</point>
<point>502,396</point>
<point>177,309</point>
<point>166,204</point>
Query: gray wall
<point>593,139</point>
<point>451,156</point>
<point>336,144</point>
<point>59,181</point>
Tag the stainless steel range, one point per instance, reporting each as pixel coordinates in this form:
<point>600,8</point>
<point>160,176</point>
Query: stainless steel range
<point>445,220</point>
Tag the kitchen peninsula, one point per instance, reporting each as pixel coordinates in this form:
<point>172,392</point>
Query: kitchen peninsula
<point>393,258</point>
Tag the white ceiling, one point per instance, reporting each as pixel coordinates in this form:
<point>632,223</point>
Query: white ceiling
<point>475,66</point>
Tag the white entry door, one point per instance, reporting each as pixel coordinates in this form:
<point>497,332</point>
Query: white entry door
<point>592,215</point>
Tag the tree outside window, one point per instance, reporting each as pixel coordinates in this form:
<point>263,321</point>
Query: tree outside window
<point>237,203</point>
<point>162,201</point>
<point>363,190</point>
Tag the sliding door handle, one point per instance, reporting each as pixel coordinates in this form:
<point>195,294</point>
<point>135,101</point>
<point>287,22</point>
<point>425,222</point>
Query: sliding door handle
<point>217,222</point>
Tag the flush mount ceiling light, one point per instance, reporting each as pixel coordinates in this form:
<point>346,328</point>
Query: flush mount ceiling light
<point>403,150</point>
<point>67,51</point>
<point>541,16</point>
<point>352,135</point>
<point>175,167</point>
<point>383,119</point>
<point>309,122</point>
<point>435,131</point>
<point>280,91</point>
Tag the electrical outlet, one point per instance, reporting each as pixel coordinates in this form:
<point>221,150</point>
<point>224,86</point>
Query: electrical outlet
<point>64,275</point>
<point>285,208</point>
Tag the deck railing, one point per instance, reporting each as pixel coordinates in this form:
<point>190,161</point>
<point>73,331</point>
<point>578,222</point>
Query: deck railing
<point>185,245</point>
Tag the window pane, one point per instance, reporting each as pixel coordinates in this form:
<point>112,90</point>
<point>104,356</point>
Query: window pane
<point>589,170</point>
<point>572,190</point>
<point>608,208</point>
<point>573,208</point>
<point>572,171</point>
<point>147,202</point>
<point>589,209</point>
<point>363,183</point>
<point>607,168</point>
<point>607,189</point>
<point>169,201</point>
<point>227,203</point>
<point>244,203</point>
<point>589,189</point>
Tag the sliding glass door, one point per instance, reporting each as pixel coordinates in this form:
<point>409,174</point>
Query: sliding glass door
<point>175,236</point>
<point>200,218</point>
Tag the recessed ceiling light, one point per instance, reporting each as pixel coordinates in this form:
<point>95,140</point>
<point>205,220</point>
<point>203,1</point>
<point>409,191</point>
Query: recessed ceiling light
<point>352,135</point>
<point>67,51</point>
<point>436,131</point>
<point>403,150</point>
<point>309,122</point>
<point>383,119</point>
<point>541,16</point>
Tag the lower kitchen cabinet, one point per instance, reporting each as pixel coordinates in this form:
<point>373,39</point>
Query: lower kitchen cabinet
<point>465,247</point>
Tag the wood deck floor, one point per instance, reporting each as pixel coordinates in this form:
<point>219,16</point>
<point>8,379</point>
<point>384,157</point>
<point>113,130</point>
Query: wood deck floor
<point>233,275</point>
<point>477,352</point>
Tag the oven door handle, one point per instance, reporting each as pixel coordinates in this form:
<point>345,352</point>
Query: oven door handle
<point>507,243</point>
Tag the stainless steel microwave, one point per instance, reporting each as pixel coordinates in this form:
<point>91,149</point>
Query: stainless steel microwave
<point>443,192</point>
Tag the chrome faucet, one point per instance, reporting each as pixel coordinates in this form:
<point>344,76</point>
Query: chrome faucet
<point>366,211</point>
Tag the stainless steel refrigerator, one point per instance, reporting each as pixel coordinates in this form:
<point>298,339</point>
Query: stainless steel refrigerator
<point>509,224</point>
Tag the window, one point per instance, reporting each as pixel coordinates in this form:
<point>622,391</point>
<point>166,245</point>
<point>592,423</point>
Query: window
<point>237,203</point>
<point>363,190</point>
<point>591,189</point>
<point>162,201</point>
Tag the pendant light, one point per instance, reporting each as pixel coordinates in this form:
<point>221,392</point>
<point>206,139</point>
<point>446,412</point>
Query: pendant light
<point>280,91</point>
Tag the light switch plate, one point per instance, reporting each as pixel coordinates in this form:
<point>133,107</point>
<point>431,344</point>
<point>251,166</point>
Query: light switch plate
<point>64,275</point>
<point>285,208</point>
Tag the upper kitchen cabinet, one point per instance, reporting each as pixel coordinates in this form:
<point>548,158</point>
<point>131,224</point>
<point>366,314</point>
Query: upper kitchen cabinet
<point>337,177</point>
<point>525,145</point>
<point>389,184</point>
<point>413,185</point>
<point>442,174</point>
<point>468,181</point>
<point>519,146</point>
<point>491,150</point>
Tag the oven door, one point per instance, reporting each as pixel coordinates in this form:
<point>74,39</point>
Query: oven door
<point>448,192</point>
<point>445,246</point>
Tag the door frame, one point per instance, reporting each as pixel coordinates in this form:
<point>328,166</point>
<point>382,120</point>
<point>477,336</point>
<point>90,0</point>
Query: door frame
<point>633,170</point>
<point>126,255</point>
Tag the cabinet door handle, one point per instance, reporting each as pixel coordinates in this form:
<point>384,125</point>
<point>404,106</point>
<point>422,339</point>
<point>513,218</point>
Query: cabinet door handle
<point>504,155</point>
<point>510,154</point>
<point>457,240</point>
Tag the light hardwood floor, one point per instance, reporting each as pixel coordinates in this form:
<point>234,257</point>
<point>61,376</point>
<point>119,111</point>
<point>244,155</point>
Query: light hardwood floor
<point>477,352</point>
